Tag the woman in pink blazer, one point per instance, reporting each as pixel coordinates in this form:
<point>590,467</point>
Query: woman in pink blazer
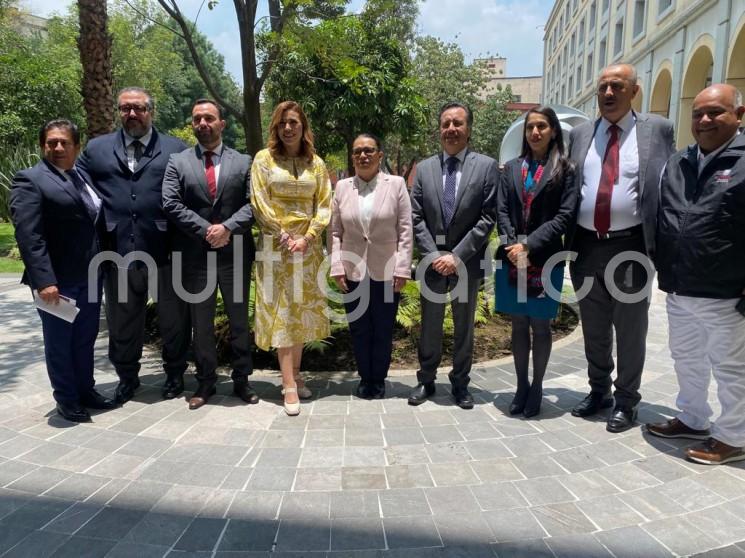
<point>371,249</point>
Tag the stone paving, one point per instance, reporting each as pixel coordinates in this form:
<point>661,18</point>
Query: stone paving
<point>349,478</point>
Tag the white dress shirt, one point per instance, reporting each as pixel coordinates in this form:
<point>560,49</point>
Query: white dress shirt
<point>458,168</point>
<point>129,140</point>
<point>625,210</point>
<point>366,195</point>
<point>91,191</point>
<point>216,159</point>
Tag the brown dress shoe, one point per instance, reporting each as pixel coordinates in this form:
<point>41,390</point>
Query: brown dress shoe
<point>201,396</point>
<point>676,428</point>
<point>714,452</point>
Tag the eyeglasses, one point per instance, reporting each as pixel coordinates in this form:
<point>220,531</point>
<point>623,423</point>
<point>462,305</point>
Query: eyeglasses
<point>615,86</point>
<point>139,109</point>
<point>366,150</point>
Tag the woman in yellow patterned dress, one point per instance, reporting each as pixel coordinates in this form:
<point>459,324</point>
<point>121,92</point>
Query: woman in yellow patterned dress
<point>291,200</point>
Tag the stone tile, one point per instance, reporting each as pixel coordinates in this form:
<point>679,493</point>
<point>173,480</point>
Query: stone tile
<point>559,440</point>
<point>487,449</point>
<point>498,496</point>
<point>210,454</point>
<point>369,478</point>
<point>322,422</point>
<point>81,547</point>
<point>582,545</point>
<point>11,471</point>
<point>278,478</point>
<point>496,470</point>
<point>731,551</point>
<point>514,525</point>
<point>77,487</point>
<point>562,519</point>
<point>542,491</point>
<point>237,478</point>
<point>585,486</point>
<point>80,459</point>
<point>690,495</point>
<point>406,455</point>
<point>464,530</point>
<point>190,474</point>
<point>610,512</point>
<point>628,477</point>
<point>413,532</point>
<point>202,534</point>
<point>37,544</point>
<point>354,504</point>
<point>305,506</point>
<point>441,433</point>
<point>278,457</point>
<point>73,518</point>
<point>371,437</point>
<point>324,438</point>
<point>532,467</point>
<point>680,535</point>
<point>404,502</point>
<point>403,436</point>
<point>664,468</point>
<point>140,495</point>
<point>722,483</point>
<point>314,479</point>
<point>322,456</point>
<point>143,446</point>
<point>35,513</point>
<point>526,446</point>
<point>357,534</point>
<point>364,457</point>
<point>453,452</point>
<point>283,439</point>
<point>297,535</point>
<point>11,536</point>
<point>127,549</point>
<point>111,523</point>
<point>475,431</point>
<point>719,524</point>
<point>430,419</point>
<point>399,420</point>
<point>116,466</point>
<point>159,529</point>
<point>47,453</point>
<point>255,505</point>
<point>408,476</point>
<point>39,480</point>
<point>451,500</point>
<point>249,535</point>
<point>577,460</point>
<point>532,548</point>
<point>651,504</point>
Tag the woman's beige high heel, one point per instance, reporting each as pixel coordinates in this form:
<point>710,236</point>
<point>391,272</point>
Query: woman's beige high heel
<point>292,409</point>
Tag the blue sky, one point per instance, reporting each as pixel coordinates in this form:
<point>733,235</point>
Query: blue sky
<point>509,28</point>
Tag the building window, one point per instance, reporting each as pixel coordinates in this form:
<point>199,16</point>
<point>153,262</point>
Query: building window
<point>593,16</point>
<point>571,86</point>
<point>572,49</point>
<point>517,98</point>
<point>589,68</point>
<point>602,53</point>
<point>606,6</point>
<point>640,17</point>
<point>618,38</point>
<point>581,34</point>
<point>663,6</point>
<point>579,78</point>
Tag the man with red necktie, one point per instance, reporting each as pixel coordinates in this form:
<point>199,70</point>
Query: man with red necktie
<point>619,158</point>
<point>205,194</point>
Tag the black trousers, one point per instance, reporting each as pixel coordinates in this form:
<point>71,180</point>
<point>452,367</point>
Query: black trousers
<point>433,315</point>
<point>203,315</point>
<point>68,347</point>
<point>126,320</point>
<point>372,329</point>
<point>602,313</point>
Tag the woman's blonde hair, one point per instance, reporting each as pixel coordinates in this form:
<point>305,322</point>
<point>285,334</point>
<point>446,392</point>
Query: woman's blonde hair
<point>275,145</point>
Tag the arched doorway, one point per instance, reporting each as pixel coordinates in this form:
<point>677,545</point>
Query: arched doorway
<point>736,67</point>
<point>659,103</point>
<point>697,76</point>
<point>636,103</point>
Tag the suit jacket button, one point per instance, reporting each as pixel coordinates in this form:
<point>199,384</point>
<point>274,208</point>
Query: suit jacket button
<point>134,196</point>
<point>134,216</point>
<point>132,237</point>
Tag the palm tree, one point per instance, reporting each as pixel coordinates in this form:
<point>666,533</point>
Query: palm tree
<point>94,44</point>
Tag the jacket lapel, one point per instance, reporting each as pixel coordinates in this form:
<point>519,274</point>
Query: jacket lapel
<point>120,152</point>
<point>353,199</point>
<point>544,178</point>
<point>67,186</point>
<point>225,161</point>
<point>465,178</point>
<point>382,189</point>
<point>198,169</point>
<point>436,180</point>
<point>152,150</point>
<point>643,145</point>
<point>517,181</point>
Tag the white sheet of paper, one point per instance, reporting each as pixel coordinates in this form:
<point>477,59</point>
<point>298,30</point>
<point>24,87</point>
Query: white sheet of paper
<point>65,310</point>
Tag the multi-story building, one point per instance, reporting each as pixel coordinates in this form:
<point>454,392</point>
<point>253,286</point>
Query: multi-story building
<point>526,89</point>
<point>677,46</point>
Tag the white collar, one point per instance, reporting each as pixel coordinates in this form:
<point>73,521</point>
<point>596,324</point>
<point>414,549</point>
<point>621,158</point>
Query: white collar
<point>217,150</point>
<point>625,123</point>
<point>461,156</point>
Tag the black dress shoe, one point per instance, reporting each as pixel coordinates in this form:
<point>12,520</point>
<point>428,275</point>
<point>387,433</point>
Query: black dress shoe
<point>364,390</point>
<point>201,396</point>
<point>173,387</point>
<point>94,400</point>
<point>621,419</point>
<point>73,413</point>
<point>244,391</point>
<point>518,402</point>
<point>126,390</point>
<point>533,403</point>
<point>421,392</point>
<point>378,390</point>
<point>591,404</point>
<point>463,399</point>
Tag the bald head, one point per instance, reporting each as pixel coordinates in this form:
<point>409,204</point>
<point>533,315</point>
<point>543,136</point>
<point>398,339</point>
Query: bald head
<point>717,114</point>
<point>617,87</point>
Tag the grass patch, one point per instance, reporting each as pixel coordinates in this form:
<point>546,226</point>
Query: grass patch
<point>7,243</point>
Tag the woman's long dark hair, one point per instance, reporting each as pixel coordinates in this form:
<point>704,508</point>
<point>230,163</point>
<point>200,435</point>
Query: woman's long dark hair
<point>560,165</point>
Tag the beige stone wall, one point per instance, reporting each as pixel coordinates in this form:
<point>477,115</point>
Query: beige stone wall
<point>526,89</point>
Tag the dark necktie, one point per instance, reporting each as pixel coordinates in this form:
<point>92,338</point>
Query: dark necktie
<point>84,194</point>
<point>608,177</point>
<point>448,193</point>
<point>209,170</point>
<point>139,148</point>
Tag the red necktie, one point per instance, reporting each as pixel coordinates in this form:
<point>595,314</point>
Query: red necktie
<point>608,177</point>
<point>209,170</point>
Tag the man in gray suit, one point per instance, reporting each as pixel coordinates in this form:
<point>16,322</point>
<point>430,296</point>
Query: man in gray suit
<point>205,193</point>
<point>619,159</point>
<point>453,203</point>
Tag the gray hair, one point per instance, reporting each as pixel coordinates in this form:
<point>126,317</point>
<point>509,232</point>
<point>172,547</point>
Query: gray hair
<point>633,77</point>
<point>149,98</point>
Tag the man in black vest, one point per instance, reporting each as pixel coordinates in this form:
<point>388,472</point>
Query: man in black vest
<point>127,167</point>
<point>701,264</point>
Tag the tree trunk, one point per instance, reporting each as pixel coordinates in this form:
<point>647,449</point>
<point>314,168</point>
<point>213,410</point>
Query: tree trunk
<point>94,44</point>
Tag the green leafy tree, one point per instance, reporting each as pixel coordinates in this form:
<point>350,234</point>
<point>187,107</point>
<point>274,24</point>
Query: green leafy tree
<point>491,120</point>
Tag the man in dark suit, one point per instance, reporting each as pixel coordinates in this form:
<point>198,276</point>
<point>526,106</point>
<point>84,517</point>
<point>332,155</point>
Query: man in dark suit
<point>619,158</point>
<point>127,167</point>
<point>453,204</point>
<point>205,194</point>
<point>56,217</point>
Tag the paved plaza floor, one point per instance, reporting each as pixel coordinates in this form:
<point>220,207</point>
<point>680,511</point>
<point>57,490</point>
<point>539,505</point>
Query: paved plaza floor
<point>350,478</point>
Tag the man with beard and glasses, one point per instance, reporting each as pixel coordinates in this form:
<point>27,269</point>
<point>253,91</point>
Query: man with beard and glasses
<point>126,167</point>
<point>205,194</point>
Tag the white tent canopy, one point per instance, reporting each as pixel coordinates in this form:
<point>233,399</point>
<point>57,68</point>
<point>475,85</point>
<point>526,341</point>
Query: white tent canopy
<point>513,139</point>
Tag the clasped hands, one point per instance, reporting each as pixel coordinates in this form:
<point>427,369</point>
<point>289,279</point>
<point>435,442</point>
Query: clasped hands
<point>518,255</point>
<point>341,282</point>
<point>446,265</point>
<point>218,236</point>
<point>293,244</point>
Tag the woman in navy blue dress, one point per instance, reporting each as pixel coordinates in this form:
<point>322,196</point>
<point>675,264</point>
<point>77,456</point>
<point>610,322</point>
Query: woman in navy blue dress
<point>536,203</point>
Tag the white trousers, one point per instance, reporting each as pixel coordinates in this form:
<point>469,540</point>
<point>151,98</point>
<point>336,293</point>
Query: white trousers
<point>707,336</point>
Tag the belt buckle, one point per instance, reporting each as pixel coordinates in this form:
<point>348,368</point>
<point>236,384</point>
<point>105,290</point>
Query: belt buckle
<point>605,236</point>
